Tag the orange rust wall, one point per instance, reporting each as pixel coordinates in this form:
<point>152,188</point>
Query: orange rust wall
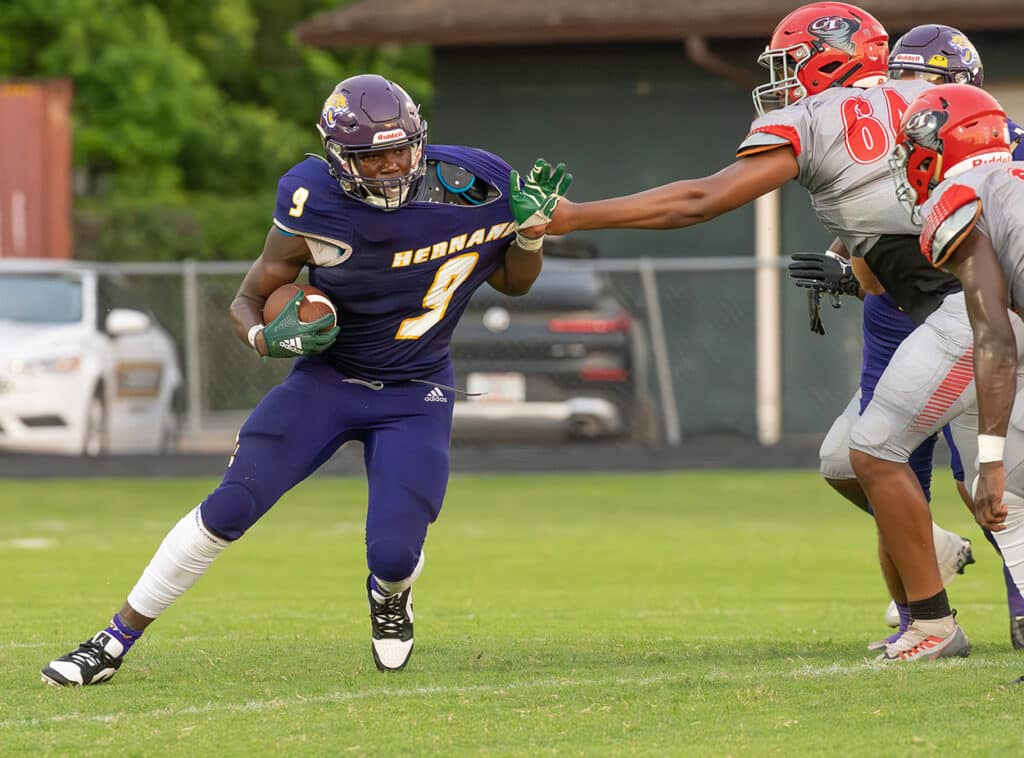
<point>35,169</point>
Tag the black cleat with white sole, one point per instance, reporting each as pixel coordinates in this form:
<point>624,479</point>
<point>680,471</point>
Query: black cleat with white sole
<point>92,662</point>
<point>391,619</point>
<point>1017,632</point>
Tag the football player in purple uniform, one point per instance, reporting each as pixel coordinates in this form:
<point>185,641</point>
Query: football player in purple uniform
<point>398,233</point>
<point>937,54</point>
<point>828,116</point>
<point>955,170</point>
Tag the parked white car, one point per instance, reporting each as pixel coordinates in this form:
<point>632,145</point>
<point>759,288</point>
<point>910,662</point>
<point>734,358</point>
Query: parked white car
<point>83,370</point>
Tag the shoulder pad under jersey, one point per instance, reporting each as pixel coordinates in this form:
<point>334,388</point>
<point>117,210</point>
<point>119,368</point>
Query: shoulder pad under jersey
<point>449,183</point>
<point>950,220</point>
<point>311,204</point>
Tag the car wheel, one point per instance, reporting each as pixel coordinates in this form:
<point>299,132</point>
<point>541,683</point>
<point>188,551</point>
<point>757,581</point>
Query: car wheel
<point>94,440</point>
<point>170,434</point>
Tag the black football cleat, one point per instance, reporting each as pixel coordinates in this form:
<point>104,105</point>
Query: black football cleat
<point>92,662</point>
<point>1017,632</point>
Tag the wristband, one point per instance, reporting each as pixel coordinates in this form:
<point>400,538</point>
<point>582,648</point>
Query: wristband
<point>253,332</point>
<point>990,448</point>
<point>530,244</point>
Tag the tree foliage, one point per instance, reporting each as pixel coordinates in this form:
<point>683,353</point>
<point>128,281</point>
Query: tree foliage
<point>183,110</point>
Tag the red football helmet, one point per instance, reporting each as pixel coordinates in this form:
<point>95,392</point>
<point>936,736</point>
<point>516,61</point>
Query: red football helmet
<point>818,46</point>
<point>945,131</point>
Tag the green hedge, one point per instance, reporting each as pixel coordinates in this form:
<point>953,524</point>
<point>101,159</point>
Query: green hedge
<point>203,227</point>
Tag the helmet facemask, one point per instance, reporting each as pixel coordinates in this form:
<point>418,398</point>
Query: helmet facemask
<point>386,193</point>
<point>914,169</point>
<point>783,86</point>
<point>916,162</point>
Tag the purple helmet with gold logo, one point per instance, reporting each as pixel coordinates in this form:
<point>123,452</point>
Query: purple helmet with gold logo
<point>939,53</point>
<point>365,114</point>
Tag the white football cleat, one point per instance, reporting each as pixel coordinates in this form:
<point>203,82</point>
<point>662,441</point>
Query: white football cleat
<point>391,621</point>
<point>916,644</point>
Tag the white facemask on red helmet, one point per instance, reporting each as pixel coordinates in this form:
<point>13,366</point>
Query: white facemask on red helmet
<point>818,46</point>
<point>945,131</point>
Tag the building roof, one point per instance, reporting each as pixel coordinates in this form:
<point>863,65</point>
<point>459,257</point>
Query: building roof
<point>483,22</point>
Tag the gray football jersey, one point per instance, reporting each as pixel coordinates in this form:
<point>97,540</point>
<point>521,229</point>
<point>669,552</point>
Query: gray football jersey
<point>991,199</point>
<point>842,138</point>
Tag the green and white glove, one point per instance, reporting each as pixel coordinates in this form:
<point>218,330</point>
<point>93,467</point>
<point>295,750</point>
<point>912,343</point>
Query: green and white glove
<point>287,337</point>
<point>534,203</point>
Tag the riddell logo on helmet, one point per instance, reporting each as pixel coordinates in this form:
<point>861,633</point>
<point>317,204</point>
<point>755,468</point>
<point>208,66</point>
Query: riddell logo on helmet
<point>981,160</point>
<point>909,58</point>
<point>389,136</point>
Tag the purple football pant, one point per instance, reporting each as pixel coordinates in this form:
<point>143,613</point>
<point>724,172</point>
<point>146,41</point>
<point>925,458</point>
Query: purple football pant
<point>301,423</point>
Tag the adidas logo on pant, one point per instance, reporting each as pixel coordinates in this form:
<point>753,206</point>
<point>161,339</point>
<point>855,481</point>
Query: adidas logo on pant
<point>435,396</point>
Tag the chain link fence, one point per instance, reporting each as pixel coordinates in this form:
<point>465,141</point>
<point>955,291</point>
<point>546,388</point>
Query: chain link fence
<point>695,352</point>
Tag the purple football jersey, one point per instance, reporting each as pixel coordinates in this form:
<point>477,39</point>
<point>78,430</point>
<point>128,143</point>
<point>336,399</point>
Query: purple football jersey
<point>1016,139</point>
<point>399,279</point>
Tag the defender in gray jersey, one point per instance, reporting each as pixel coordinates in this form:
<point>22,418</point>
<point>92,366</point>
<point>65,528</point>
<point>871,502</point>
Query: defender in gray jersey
<point>828,120</point>
<point>954,169</point>
<point>937,54</point>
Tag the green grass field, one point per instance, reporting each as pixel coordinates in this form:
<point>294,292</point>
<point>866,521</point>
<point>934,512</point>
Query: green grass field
<point>717,614</point>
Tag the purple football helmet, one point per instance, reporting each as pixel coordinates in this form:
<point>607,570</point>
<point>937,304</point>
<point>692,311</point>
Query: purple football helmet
<point>937,52</point>
<point>365,114</point>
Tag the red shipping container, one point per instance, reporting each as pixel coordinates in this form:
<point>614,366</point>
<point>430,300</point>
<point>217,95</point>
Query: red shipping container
<point>35,169</point>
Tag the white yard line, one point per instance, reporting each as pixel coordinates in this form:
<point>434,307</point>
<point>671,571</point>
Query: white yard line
<point>341,696</point>
<point>251,706</point>
<point>28,543</point>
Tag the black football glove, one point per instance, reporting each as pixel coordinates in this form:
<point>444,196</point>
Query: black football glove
<point>824,272</point>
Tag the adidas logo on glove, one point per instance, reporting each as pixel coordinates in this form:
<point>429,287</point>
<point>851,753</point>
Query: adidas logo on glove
<point>292,343</point>
<point>435,396</point>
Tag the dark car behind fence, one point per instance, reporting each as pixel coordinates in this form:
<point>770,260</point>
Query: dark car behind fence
<point>649,350</point>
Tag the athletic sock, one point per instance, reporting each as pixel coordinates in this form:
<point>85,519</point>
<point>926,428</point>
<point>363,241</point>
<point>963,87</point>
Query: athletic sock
<point>904,612</point>
<point>123,633</point>
<point>380,594</point>
<point>931,608</point>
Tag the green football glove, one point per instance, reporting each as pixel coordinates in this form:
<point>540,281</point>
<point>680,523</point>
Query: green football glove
<point>533,204</point>
<point>287,337</point>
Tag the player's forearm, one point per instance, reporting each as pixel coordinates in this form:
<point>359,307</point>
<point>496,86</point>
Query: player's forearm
<point>672,206</point>
<point>869,283</point>
<point>995,372</point>
<point>246,313</point>
<point>520,271</point>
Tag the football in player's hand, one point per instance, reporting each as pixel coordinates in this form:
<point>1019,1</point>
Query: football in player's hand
<point>313,306</point>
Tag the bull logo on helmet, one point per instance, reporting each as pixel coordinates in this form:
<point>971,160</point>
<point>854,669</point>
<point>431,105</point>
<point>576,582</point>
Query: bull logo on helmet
<point>964,48</point>
<point>836,31</point>
<point>923,128</point>
<point>334,106</point>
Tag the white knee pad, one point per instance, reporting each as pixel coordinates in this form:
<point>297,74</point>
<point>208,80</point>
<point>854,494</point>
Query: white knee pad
<point>403,584</point>
<point>834,454</point>
<point>186,553</point>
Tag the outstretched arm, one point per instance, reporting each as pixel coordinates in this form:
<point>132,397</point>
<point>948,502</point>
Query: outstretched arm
<point>682,203</point>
